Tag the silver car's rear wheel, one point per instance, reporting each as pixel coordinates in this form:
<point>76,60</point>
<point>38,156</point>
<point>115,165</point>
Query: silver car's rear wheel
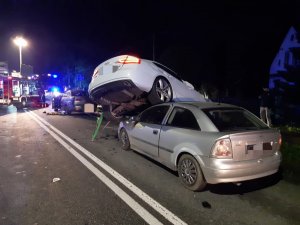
<point>125,143</point>
<point>190,173</point>
<point>161,91</point>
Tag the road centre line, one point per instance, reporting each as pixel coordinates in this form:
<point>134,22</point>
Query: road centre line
<point>143,213</point>
<point>145,197</point>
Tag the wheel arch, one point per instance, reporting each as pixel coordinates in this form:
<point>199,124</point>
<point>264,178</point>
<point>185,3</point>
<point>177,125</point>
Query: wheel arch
<point>152,95</point>
<point>191,153</point>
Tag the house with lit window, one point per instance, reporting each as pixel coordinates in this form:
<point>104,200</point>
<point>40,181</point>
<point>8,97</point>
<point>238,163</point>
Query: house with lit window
<point>286,64</point>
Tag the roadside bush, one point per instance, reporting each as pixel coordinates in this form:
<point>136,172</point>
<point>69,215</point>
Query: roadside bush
<point>290,129</point>
<point>291,162</point>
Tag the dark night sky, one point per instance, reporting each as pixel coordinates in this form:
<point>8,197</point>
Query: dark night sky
<point>221,40</point>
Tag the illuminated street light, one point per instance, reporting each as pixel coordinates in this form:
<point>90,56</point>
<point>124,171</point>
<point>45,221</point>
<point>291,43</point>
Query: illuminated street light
<point>21,42</point>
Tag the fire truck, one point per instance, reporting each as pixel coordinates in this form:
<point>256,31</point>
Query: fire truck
<point>19,91</point>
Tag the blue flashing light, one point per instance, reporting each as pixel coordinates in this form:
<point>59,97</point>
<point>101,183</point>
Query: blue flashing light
<point>54,76</point>
<point>55,91</point>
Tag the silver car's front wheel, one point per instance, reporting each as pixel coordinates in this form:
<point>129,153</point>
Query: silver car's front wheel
<point>161,91</point>
<point>125,143</point>
<point>190,173</point>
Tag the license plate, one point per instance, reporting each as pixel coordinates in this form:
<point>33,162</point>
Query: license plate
<point>3,100</point>
<point>267,146</point>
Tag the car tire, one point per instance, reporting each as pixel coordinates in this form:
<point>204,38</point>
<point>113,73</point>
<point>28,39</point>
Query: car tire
<point>161,91</point>
<point>125,143</point>
<point>190,173</point>
<point>23,103</point>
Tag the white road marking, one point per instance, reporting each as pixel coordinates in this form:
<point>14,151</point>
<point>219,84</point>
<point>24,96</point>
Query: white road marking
<point>145,197</point>
<point>150,219</point>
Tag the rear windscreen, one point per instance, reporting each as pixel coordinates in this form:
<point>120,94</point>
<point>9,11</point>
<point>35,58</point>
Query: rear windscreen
<point>234,119</point>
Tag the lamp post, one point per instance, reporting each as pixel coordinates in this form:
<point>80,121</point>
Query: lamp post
<point>20,42</point>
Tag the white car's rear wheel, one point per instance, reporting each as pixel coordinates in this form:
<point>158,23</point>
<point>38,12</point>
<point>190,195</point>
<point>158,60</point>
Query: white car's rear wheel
<point>161,91</point>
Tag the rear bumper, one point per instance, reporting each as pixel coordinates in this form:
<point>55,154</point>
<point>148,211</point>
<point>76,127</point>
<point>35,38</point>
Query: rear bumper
<point>116,91</point>
<point>227,170</point>
<point>4,101</point>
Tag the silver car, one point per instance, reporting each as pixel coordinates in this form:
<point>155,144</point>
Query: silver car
<point>204,142</point>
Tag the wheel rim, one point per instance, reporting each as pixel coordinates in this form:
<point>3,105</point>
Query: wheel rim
<point>163,90</point>
<point>188,172</point>
<point>124,138</point>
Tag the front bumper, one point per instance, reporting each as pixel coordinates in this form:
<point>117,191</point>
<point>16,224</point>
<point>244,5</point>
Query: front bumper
<point>226,170</point>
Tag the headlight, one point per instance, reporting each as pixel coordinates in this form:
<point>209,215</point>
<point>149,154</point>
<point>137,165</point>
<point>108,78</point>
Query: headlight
<point>222,149</point>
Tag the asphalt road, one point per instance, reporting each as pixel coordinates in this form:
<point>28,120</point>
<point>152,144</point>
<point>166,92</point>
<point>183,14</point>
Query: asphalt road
<point>98,183</point>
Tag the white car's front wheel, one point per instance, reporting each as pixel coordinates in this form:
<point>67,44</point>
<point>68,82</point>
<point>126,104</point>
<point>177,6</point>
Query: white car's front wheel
<point>161,91</point>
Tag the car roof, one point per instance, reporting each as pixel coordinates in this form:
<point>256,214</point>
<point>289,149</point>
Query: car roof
<point>204,105</point>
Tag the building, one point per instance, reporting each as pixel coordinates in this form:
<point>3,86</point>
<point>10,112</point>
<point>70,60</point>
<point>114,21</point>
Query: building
<point>286,64</point>
<point>284,81</point>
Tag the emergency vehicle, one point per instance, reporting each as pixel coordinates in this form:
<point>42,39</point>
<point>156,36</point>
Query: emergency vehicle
<point>21,92</point>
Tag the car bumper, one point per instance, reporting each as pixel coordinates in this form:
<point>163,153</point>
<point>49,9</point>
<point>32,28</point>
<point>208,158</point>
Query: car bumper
<point>79,108</point>
<point>227,170</point>
<point>117,91</point>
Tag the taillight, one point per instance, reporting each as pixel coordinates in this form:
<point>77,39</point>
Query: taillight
<point>95,74</point>
<point>222,149</point>
<point>127,59</point>
<point>280,141</point>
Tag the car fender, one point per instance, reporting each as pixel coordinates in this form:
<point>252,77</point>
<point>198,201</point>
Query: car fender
<point>127,126</point>
<point>186,148</point>
<point>144,76</point>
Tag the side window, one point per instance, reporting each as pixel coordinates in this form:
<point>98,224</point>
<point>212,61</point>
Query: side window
<point>154,115</point>
<point>183,118</point>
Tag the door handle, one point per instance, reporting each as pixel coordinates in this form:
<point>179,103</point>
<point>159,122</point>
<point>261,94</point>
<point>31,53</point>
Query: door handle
<point>155,131</point>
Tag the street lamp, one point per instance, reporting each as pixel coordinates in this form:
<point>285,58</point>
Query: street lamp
<point>21,42</point>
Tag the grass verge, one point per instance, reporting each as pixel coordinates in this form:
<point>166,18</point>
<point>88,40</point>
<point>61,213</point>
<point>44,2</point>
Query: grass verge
<point>291,157</point>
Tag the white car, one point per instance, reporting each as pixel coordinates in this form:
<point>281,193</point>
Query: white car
<point>124,83</point>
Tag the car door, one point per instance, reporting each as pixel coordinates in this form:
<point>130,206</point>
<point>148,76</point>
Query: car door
<point>181,130</point>
<point>182,90</point>
<point>145,135</point>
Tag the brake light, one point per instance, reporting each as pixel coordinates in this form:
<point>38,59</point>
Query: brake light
<point>280,140</point>
<point>127,59</point>
<point>95,74</point>
<point>222,149</point>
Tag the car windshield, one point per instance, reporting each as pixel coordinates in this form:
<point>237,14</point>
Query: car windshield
<point>234,119</point>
